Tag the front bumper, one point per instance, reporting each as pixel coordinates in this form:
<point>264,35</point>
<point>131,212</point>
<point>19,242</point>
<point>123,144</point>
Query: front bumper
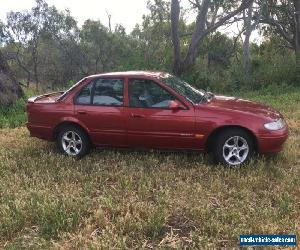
<point>273,141</point>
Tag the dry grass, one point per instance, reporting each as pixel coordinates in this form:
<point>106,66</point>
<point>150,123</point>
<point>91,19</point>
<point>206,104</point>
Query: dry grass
<point>129,199</point>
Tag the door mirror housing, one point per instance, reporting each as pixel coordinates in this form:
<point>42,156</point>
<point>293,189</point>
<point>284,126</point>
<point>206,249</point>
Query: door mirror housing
<point>174,105</point>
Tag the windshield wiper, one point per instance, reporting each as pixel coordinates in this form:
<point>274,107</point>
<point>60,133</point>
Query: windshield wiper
<point>210,95</point>
<point>203,99</point>
<point>206,97</point>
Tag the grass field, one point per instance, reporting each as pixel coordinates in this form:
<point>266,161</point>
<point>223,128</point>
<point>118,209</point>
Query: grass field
<point>128,199</point>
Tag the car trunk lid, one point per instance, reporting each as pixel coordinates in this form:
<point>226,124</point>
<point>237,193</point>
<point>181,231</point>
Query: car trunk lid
<point>46,98</point>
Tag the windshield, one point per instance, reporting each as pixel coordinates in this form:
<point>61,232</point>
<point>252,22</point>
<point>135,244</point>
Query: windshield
<point>183,88</point>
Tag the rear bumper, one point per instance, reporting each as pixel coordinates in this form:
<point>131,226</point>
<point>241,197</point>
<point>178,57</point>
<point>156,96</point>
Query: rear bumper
<point>273,142</point>
<point>39,131</point>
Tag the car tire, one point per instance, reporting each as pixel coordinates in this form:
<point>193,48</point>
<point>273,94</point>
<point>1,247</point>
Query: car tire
<point>73,141</point>
<point>233,147</point>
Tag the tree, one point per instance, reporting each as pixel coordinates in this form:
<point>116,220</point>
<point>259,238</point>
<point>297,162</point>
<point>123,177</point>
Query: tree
<point>247,16</point>
<point>297,36</point>
<point>10,90</point>
<point>25,29</point>
<point>204,25</point>
<point>251,17</point>
<point>278,17</point>
<point>44,44</point>
<point>96,45</point>
<point>153,37</point>
<point>282,18</point>
<point>62,29</point>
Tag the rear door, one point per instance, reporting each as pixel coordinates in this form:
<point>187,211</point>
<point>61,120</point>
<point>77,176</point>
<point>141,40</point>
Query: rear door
<point>100,107</point>
<point>152,124</point>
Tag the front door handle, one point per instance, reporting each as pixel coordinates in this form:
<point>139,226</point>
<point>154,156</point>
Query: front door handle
<point>81,112</point>
<point>137,116</point>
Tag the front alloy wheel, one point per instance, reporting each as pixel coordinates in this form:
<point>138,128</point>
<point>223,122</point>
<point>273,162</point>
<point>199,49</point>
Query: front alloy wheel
<point>233,147</point>
<point>235,150</point>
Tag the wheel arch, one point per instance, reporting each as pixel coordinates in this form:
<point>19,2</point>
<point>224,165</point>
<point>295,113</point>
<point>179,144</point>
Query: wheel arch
<point>68,123</point>
<point>217,131</point>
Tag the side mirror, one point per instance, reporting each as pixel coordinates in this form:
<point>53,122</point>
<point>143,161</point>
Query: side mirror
<point>173,105</point>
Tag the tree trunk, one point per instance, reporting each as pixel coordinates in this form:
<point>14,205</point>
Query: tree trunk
<point>175,12</point>
<point>109,21</point>
<point>248,30</point>
<point>10,90</point>
<point>297,37</point>
<point>26,70</point>
<point>198,35</point>
<point>36,77</point>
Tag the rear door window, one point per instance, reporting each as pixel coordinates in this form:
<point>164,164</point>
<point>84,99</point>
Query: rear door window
<point>85,95</point>
<point>102,92</point>
<point>108,92</point>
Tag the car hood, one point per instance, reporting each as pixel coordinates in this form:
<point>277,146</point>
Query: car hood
<point>245,106</point>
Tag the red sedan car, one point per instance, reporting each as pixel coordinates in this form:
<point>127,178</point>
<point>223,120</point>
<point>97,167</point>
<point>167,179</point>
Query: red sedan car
<point>154,110</point>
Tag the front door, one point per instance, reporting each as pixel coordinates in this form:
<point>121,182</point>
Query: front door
<point>152,124</point>
<point>99,106</point>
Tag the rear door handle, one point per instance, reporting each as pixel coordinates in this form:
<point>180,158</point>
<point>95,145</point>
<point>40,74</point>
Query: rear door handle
<point>137,116</point>
<point>81,112</point>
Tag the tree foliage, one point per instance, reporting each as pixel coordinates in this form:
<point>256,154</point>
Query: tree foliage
<point>46,47</point>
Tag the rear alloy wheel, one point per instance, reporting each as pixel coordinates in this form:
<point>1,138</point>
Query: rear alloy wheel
<point>73,141</point>
<point>234,147</point>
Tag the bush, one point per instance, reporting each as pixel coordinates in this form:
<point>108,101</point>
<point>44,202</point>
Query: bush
<point>263,72</point>
<point>15,115</point>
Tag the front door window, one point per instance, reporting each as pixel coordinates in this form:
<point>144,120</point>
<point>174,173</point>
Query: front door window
<point>145,93</point>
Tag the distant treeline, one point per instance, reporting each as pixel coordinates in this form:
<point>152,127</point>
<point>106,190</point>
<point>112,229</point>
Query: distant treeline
<point>46,47</point>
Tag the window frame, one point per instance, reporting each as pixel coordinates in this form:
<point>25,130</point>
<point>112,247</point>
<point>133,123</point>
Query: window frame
<point>93,82</point>
<point>184,106</point>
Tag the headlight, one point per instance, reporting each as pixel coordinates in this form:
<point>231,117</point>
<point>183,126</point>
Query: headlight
<point>279,124</point>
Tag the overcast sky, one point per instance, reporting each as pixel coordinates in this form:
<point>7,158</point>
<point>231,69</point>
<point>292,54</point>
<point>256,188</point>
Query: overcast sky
<point>125,12</point>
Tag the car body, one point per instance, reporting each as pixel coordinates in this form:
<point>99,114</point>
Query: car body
<point>153,110</point>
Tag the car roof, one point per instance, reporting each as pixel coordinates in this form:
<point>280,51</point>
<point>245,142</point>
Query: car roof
<point>130,73</point>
